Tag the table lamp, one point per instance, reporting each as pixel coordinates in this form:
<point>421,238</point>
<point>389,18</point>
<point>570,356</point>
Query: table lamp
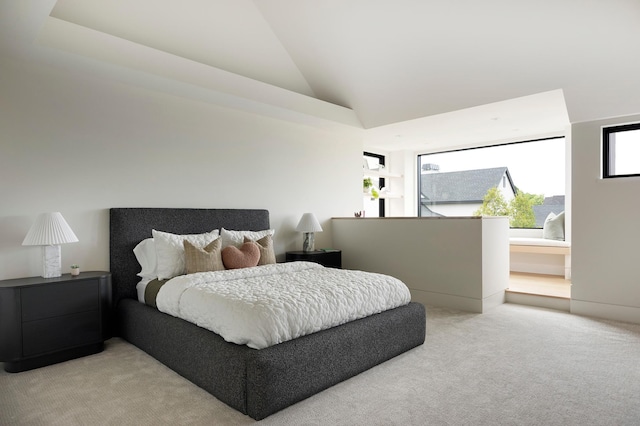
<point>308,225</point>
<point>49,231</point>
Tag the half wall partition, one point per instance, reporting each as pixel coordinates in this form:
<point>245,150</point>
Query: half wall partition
<point>458,262</point>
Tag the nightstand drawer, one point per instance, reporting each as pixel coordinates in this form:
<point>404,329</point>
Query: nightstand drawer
<point>48,320</point>
<point>63,332</point>
<point>51,300</point>
<point>331,258</point>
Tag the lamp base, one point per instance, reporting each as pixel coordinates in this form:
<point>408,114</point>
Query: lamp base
<point>51,261</point>
<point>308,243</point>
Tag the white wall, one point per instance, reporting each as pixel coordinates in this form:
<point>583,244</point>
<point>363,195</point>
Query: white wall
<point>605,231</point>
<point>73,142</point>
<point>547,264</point>
<point>460,263</point>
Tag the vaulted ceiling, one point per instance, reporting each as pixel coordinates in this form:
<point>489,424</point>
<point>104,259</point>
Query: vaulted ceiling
<point>417,74</point>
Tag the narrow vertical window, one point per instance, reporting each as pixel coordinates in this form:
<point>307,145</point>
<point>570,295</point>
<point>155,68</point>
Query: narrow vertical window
<point>621,151</point>
<point>374,168</point>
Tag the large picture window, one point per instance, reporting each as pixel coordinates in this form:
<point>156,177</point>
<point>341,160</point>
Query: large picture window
<point>374,164</point>
<point>524,180</point>
<point>621,151</point>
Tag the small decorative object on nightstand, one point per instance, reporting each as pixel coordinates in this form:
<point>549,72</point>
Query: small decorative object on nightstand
<point>308,225</point>
<point>48,320</point>
<point>75,270</point>
<point>326,257</point>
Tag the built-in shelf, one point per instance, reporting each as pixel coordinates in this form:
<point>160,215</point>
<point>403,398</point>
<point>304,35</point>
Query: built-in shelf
<point>389,195</point>
<point>368,173</point>
<point>383,194</point>
<point>379,174</point>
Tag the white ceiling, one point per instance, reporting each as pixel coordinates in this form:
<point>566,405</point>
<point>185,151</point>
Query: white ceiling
<point>418,74</point>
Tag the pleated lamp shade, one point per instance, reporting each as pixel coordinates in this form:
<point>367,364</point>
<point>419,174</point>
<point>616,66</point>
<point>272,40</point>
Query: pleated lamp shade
<point>49,229</point>
<point>309,223</point>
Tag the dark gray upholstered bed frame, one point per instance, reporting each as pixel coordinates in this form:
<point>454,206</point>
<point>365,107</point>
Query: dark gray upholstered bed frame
<point>255,382</point>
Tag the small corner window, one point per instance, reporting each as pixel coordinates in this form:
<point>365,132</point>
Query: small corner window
<point>621,151</point>
<point>372,168</point>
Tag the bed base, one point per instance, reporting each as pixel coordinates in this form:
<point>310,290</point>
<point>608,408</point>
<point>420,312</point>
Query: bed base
<point>261,382</point>
<point>255,382</point>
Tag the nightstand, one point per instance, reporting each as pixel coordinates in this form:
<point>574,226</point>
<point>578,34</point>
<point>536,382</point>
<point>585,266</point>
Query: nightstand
<point>330,258</point>
<point>48,320</point>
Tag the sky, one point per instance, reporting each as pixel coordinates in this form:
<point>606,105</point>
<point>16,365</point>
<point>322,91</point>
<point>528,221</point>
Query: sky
<point>535,167</point>
<point>627,153</point>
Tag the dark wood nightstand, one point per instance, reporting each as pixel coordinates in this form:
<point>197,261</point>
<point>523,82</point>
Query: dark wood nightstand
<point>48,320</point>
<point>330,258</point>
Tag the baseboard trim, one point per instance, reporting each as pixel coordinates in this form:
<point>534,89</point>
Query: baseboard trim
<point>606,311</point>
<point>494,300</point>
<point>446,301</point>
<point>549,302</point>
<point>450,301</point>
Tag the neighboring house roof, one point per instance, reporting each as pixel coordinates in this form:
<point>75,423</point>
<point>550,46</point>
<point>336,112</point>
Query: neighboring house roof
<point>554,200</point>
<point>468,186</point>
<point>427,212</point>
<point>554,204</point>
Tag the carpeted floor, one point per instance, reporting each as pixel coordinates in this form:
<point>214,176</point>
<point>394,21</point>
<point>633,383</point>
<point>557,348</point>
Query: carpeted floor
<point>515,365</point>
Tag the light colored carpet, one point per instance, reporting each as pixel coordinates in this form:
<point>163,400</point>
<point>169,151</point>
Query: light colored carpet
<point>515,365</point>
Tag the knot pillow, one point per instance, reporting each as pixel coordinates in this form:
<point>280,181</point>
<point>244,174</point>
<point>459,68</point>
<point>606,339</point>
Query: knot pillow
<point>246,256</point>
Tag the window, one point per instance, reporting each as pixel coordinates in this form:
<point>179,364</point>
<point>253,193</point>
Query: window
<point>523,180</point>
<point>373,165</point>
<point>621,151</point>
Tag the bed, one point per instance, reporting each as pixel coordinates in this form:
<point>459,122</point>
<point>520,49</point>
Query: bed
<point>255,382</point>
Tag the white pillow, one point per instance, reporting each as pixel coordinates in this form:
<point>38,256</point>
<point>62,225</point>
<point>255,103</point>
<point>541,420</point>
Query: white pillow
<point>141,288</point>
<point>553,228</point>
<point>170,251</point>
<point>145,252</point>
<point>236,238</point>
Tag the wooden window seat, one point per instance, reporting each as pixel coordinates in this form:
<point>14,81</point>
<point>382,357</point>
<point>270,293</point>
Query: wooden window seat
<point>543,246</point>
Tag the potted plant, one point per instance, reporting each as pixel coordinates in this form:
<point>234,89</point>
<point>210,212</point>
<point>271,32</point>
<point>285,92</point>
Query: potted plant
<point>374,194</point>
<point>75,270</point>
<point>367,184</point>
<point>368,188</point>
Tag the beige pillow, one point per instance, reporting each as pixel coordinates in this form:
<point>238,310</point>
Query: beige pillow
<point>246,256</point>
<point>208,258</point>
<point>170,251</point>
<point>265,244</point>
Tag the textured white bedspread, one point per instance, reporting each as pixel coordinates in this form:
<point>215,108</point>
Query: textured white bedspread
<point>267,305</point>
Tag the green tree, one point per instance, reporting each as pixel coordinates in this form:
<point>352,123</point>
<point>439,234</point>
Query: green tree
<point>519,209</point>
<point>493,204</point>
<point>522,211</point>
<point>536,199</point>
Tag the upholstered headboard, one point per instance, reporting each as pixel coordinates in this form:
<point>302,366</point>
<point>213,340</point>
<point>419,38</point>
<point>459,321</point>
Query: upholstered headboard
<point>129,226</point>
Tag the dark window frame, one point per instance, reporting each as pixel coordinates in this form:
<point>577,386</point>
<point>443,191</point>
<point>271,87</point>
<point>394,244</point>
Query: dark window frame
<point>381,161</point>
<point>607,150</point>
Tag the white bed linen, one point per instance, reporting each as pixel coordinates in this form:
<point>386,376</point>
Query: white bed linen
<point>266,305</point>
<point>141,287</point>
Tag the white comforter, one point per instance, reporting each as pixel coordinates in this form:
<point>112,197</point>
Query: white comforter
<point>267,305</point>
